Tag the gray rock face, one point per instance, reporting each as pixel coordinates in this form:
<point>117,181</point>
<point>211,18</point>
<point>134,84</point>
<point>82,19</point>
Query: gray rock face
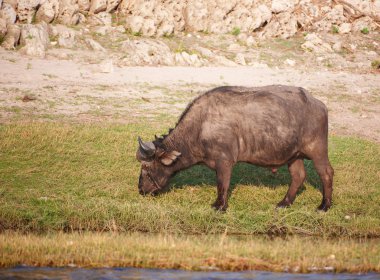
<point>35,39</point>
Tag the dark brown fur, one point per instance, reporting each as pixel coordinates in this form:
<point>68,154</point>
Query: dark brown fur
<point>266,126</point>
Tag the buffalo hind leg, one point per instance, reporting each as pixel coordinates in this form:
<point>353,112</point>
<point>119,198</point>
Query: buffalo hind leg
<point>326,173</point>
<point>223,174</point>
<point>298,174</point>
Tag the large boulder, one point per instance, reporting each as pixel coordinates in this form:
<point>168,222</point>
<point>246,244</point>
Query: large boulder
<point>84,5</point>
<point>12,37</point>
<point>284,25</point>
<point>98,6</point>
<point>35,39</point>
<point>68,13</point>
<point>8,13</point>
<point>112,5</point>
<point>48,11</point>
<point>26,10</point>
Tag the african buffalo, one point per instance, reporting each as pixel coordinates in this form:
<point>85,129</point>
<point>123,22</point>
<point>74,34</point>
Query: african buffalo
<point>267,126</point>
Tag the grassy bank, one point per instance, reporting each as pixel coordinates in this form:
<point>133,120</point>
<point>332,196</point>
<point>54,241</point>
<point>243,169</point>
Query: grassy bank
<point>67,177</point>
<point>210,252</point>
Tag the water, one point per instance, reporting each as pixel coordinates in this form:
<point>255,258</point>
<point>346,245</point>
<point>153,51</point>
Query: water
<point>164,274</point>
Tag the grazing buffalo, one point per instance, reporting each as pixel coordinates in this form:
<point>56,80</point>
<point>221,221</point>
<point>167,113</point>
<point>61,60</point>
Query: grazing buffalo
<point>267,126</point>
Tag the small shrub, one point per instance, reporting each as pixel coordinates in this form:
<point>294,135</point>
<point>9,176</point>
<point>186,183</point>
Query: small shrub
<point>375,64</point>
<point>365,30</point>
<point>235,31</point>
<point>334,29</point>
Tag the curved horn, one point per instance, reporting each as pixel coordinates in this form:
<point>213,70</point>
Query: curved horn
<point>146,148</point>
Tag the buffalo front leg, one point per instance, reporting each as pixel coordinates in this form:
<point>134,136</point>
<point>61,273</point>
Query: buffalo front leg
<point>298,173</point>
<point>223,174</point>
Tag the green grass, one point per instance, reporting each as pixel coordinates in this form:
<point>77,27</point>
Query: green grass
<point>201,252</point>
<point>71,177</point>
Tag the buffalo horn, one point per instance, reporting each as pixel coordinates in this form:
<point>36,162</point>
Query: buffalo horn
<point>146,148</point>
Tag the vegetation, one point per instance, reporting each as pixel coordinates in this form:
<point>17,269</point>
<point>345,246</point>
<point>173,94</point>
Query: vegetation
<point>235,31</point>
<point>365,30</point>
<point>204,252</point>
<point>71,177</point>
<point>334,29</point>
<point>375,64</point>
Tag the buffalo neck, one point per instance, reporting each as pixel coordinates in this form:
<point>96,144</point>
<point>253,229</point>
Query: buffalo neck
<point>182,143</point>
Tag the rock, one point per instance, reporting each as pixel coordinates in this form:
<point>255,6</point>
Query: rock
<point>165,29</point>
<point>84,5</point>
<point>149,27</point>
<point>102,18</point>
<point>26,10</point>
<point>284,26</point>
<point>204,52</point>
<point>315,44</point>
<point>48,11</point>
<point>134,24</point>
<point>240,59</point>
<point>221,60</point>
<point>68,12</point>
<point>333,17</point>
<point>235,47</point>
<point>363,22</point>
<point>106,66</point>
<point>103,30</point>
<point>8,13</point>
<point>12,37</point>
<point>337,47</point>
<point>3,27</point>
<point>261,16</point>
<point>120,29</point>
<point>35,39</point>
<point>147,52</point>
<point>95,45</point>
<point>290,62</point>
<point>345,28</point>
<point>196,16</point>
<point>279,6</point>
<point>98,6</point>
<point>66,37</point>
<point>250,41</point>
<point>112,5</point>
<point>186,59</point>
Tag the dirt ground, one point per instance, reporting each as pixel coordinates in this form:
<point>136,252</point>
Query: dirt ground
<point>79,91</point>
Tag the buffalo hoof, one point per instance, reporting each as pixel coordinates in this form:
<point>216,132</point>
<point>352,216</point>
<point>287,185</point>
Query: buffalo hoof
<point>283,204</point>
<point>219,206</point>
<point>324,207</point>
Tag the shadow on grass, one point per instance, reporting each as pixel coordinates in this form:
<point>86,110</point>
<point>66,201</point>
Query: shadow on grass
<point>243,174</point>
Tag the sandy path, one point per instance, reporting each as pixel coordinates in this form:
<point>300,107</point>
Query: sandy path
<point>353,99</point>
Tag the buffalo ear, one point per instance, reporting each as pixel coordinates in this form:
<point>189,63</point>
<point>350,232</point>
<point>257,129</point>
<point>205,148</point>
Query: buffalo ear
<point>167,158</point>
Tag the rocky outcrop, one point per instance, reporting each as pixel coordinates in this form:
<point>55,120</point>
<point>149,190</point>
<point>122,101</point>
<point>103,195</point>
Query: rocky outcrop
<point>12,37</point>
<point>34,39</point>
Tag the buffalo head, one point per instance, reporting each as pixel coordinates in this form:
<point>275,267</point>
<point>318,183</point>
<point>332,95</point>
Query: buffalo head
<point>156,162</point>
